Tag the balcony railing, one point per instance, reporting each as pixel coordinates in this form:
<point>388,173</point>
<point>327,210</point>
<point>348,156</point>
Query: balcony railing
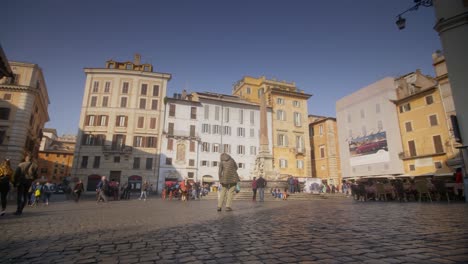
<point>117,149</point>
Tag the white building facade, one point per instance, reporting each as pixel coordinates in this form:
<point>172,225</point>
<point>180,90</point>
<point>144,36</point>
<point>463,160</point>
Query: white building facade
<point>369,133</point>
<point>120,124</point>
<point>200,127</point>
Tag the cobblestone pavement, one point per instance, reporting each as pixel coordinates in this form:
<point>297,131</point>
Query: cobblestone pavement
<point>156,231</point>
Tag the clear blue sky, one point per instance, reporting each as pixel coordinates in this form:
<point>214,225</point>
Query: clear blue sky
<point>329,48</point>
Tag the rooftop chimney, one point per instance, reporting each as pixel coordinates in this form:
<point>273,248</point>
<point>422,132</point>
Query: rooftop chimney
<point>137,59</point>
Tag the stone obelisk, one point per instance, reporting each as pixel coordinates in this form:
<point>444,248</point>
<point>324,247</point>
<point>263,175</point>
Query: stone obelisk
<point>264,160</point>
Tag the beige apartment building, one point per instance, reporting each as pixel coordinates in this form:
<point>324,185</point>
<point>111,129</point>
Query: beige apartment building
<point>325,154</point>
<point>23,111</point>
<point>289,125</point>
<point>120,124</point>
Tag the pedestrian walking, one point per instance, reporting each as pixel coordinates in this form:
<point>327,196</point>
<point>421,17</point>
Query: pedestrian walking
<point>6,173</point>
<point>254,189</point>
<point>36,193</point>
<point>102,189</point>
<point>261,184</point>
<point>24,175</point>
<point>144,189</point>
<point>77,190</point>
<point>228,179</point>
<point>47,192</point>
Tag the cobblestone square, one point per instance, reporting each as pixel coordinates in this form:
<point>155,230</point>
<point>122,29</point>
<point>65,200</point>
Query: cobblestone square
<point>157,231</point>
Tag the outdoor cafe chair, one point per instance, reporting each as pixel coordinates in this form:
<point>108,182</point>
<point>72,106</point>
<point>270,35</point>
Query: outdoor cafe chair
<point>423,189</point>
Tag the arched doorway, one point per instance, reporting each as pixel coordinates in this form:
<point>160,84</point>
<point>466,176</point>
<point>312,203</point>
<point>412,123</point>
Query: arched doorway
<point>93,181</point>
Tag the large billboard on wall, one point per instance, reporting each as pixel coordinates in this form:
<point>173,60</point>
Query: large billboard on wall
<point>369,149</point>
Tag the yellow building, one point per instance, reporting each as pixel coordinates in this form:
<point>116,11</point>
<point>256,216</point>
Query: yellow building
<point>290,126</point>
<point>324,149</point>
<point>24,103</point>
<point>424,131</point>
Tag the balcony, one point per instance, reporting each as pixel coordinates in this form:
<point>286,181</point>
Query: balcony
<point>405,155</point>
<point>114,150</point>
<point>184,134</point>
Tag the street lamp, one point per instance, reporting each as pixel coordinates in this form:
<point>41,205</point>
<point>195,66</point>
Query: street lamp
<point>401,22</point>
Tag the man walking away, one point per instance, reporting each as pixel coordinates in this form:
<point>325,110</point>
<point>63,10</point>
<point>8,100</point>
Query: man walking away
<point>25,174</point>
<point>228,179</point>
<point>144,189</point>
<point>78,190</point>
<point>47,192</point>
<point>261,185</point>
<point>254,189</point>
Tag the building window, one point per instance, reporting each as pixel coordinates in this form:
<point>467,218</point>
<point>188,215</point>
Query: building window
<point>283,163</point>
<point>281,115</point>
<point>227,130</point>
<point>216,129</point>
<point>191,162</point>
<point>97,161</point>
<point>300,164</point>
<point>412,167</point>
<point>241,116</point>
<point>379,125</point>
<point>151,142</point>
<point>282,140</point>
<point>123,102</point>
<point>170,144</point>
<point>253,150</point>
<point>205,147</point>
<point>214,164</point>
<point>168,161</point>
<point>296,104</point>
<point>206,112</point>
<point>241,132</point>
<point>299,144</point>
<point>172,110</point>
<point>142,103</point>
<point>252,117</point>
<point>217,110</point>
<point>205,128</point>
<point>248,91</point>
<point>95,87</point>
<point>107,87</point>
<point>121,121</point>
<point>438,165</point>
<point>125,88</point>
<point>141,122</point>
<point>429,100</point>
<point>93,101</point>
<point>138,141</point>
<point>408,126</point>
<point>105,101</point>
<point>152,123</point>
<point>90,120</point>
<point>144,89</point>
<point>136,163</point>
<point>438,147</point>
<point>227,148</point>
<point>322,151</point>
<point>412,148</point>
<point>204,163</point>
<point>84,162</point>
<point>241,165</point>
<point>226,115</point>
<point>405,108</point>
<point>155,90</point>
<point>192,146</point>
<point>192,131</point>
<point>193,112</point>
<point>252,132</point>
<point>149,163</point>
<point>215,148</point>
<point>118,141</point>
<point>7,97</point>
<point>377,108</point>
<point>433,120</point>
<point>240,149</point>
<point>154,104</point>
<point>190,175</point>
<point>297,119</point>
<point>320,130</point>
<point>280,101</point>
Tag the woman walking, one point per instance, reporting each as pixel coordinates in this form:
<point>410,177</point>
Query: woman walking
<point>78,190</point>
<point>5,177</point>
<point>228,179</point>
